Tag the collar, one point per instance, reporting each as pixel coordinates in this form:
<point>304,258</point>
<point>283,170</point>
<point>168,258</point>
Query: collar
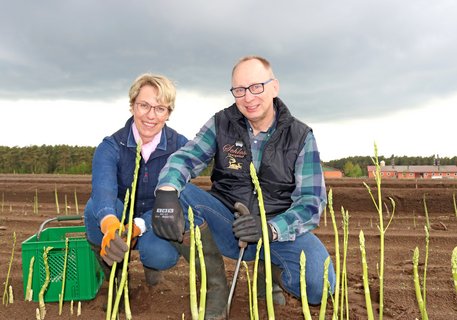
<point>158,142</point>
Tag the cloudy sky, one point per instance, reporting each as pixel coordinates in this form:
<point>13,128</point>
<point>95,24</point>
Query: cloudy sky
<point>356,71</point>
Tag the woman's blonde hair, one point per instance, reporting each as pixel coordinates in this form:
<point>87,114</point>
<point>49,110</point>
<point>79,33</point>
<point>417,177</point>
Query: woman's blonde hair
<point>166,90</point>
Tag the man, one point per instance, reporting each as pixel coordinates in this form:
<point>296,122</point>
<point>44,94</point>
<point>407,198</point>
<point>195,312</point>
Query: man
<point>257,128</point>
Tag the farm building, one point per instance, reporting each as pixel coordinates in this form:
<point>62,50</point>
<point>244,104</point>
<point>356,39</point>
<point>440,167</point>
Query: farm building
<point>331,173</point>
<point>415,172</point>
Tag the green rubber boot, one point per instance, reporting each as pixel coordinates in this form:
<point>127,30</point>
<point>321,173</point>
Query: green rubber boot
<point>152,276</point>
<point>278,294</point>
<point>217,288</point>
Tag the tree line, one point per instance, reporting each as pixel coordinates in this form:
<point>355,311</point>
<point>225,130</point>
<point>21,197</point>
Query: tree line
<point>59,159</point>
<point>64,159</point>
<point>357,166</point>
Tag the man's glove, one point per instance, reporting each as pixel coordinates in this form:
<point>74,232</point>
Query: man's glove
<point>167,216</point>
<point>113,247</point>
<point>248,228</point>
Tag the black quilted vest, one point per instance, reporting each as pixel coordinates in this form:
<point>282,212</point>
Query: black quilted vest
<point>231,179</point>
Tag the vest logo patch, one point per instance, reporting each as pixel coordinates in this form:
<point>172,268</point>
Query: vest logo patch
<point>234,153</point>
<point>232,164</point>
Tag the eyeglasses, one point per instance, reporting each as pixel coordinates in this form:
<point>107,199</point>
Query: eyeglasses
<point>256,88</point>
<point>145,107</point>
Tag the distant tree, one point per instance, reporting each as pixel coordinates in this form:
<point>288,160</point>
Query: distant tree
<point>361,161</point>
<point>347,168</point>
<point>351,170</point>
<point>357,171</point>
<point>46,159</point>
<point>78,160</point>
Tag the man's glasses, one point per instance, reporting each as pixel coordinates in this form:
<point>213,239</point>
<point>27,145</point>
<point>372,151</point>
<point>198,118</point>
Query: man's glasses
<point>145,107</point>
<point>256,88</point>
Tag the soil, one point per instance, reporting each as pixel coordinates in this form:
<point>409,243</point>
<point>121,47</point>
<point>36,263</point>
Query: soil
<point>170,298</point>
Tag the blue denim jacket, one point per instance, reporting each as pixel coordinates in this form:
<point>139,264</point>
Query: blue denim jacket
<point>113,166</point>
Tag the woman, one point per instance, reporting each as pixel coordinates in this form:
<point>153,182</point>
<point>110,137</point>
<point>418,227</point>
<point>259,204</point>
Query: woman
<point>152,99</point>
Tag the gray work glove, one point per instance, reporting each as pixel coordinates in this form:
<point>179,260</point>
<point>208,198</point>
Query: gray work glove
<point>115,250</point>
<point>248,227</point>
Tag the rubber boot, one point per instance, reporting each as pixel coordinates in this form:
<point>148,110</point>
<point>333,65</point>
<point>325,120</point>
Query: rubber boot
<point>278,294</point>
<point>217,289</point>
<point>152,276</point>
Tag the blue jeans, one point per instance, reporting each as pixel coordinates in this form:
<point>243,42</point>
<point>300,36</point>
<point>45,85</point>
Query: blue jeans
<point>286,255</point>
<point>155,252</point>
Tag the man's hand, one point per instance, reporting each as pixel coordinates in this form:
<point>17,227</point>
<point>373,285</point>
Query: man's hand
<point>167,216</point>
<point>113,247</point>
<point>248,228</point>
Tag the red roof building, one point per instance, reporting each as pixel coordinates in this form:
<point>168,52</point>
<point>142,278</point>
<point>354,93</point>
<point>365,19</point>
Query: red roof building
<point>332,173</point>
<point>415,172</point>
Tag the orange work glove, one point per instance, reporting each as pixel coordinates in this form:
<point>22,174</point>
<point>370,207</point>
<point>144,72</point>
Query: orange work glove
<point>113,247</point>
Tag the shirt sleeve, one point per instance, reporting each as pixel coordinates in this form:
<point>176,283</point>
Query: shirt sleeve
<point>104,178</point>
<point>309,196</point>
<point>190,160</point>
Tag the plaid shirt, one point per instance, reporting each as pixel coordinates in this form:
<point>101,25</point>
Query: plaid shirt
<point>258,142</point>
<point>309,196</point>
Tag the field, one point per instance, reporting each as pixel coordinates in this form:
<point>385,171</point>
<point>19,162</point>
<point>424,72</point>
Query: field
<point>169,299</point>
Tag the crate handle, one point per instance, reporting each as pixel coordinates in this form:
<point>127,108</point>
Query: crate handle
<point>58,218</point>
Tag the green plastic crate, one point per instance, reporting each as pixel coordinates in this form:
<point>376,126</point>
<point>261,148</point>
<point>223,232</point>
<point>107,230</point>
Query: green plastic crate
<point>84,275</point>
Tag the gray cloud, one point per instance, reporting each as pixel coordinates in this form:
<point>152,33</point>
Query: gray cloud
<point>334,60</point>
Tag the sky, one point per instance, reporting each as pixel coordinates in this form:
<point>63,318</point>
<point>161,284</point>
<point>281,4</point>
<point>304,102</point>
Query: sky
<point>358,72</point>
